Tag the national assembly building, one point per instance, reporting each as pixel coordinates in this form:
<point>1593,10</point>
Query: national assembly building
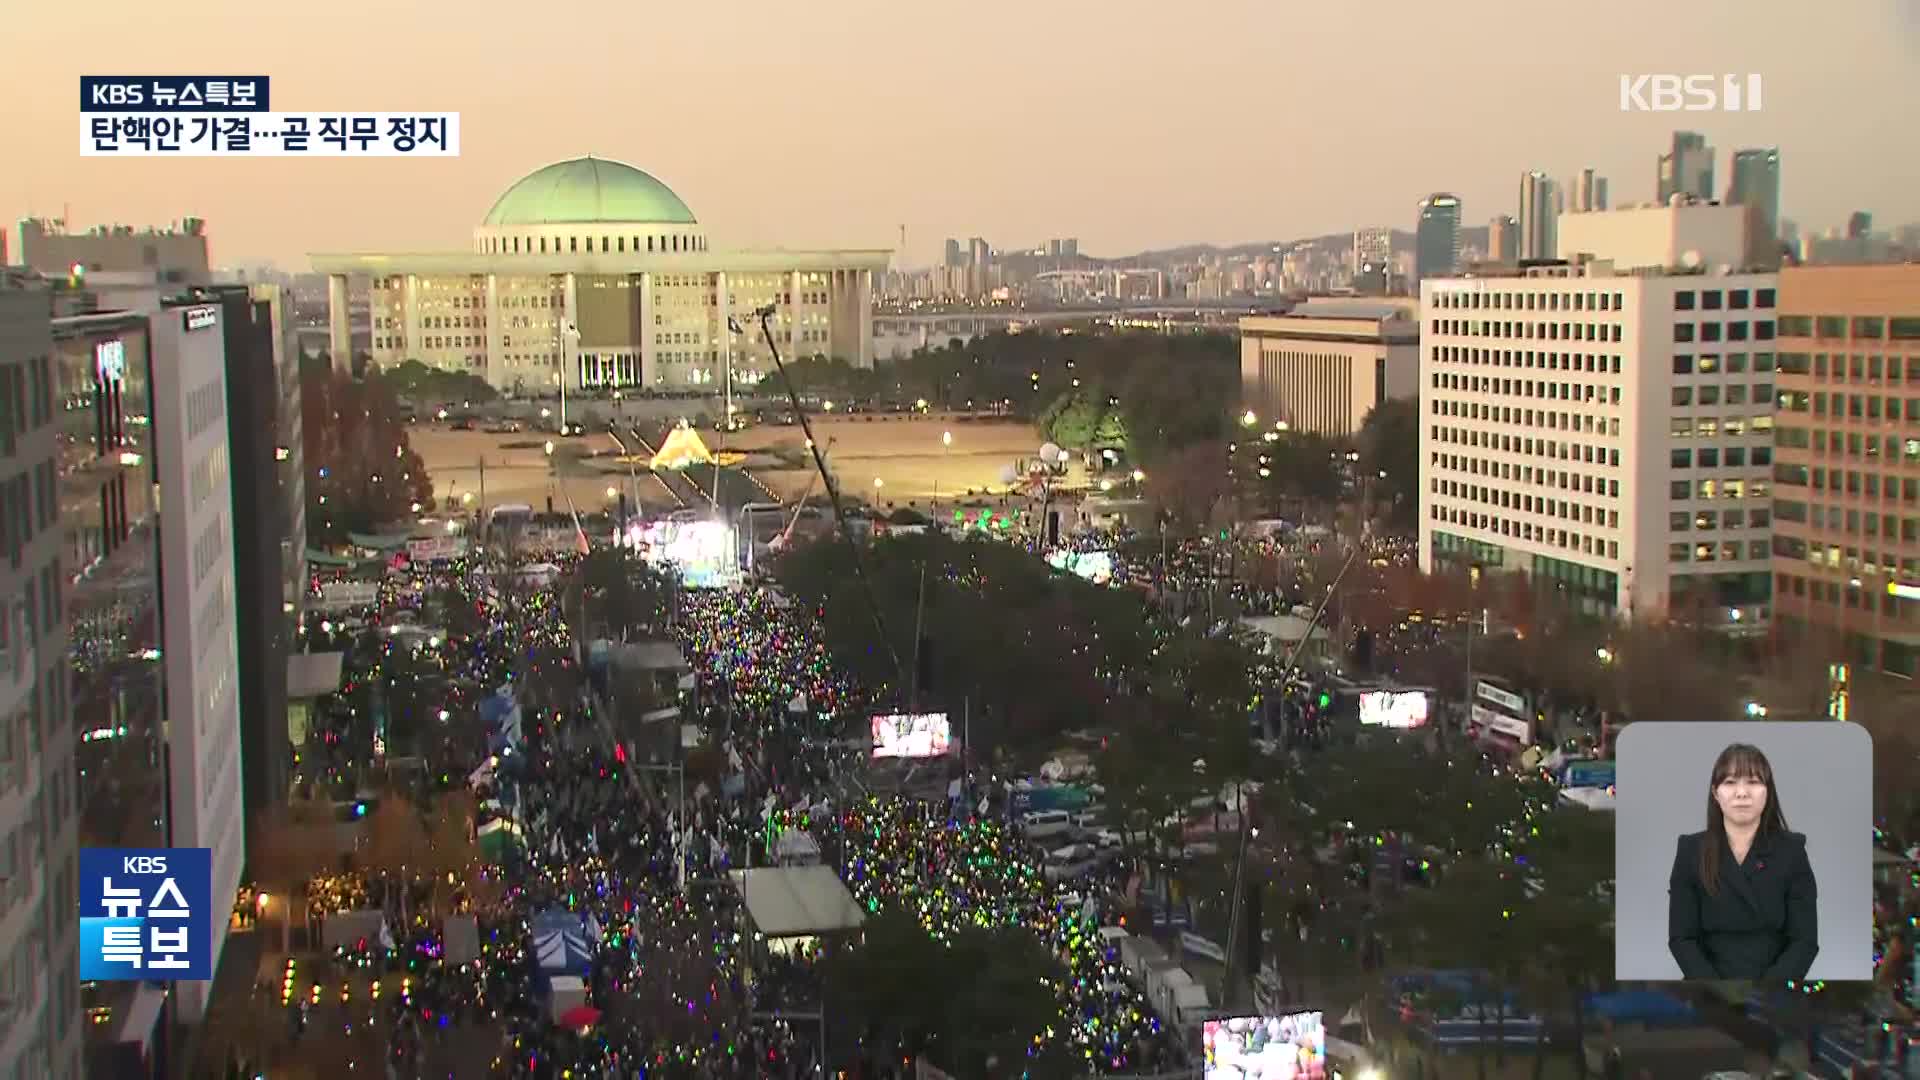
<point>594,269</point>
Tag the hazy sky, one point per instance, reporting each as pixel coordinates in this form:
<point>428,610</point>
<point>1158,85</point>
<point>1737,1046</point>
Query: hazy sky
<point>1128,124</point>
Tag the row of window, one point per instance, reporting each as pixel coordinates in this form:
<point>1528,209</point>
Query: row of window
<point>1516,444</point>
<point>1715,364</point>
<point>1850,444</point>
<point>1734,330</point>
<point>1716,299</point>
<point>1510,414</point>
<point>1845,481</point>
<point>1527,331</point>
<point>1868,524</point>
<point>1709,427</point>
<point>1832,594</point>
<point>1860,327</point>
<point>1731,487</point>
<point>1527,531</point>
<point>1711,457</point>
<point>1856,406</point>
<point>671,245</point>
<point>1507,499</point>
<point>1576,300</point>
<point>1848,559</point>
<point>1722,551</point>
<point>1873,367</point>
<point>1733,394</point>
<point>1708,520</point>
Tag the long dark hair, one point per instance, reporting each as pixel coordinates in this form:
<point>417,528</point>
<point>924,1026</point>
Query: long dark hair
<point>1746,762</point>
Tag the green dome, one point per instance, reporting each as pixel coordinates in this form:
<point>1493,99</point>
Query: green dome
<point>586,190</point>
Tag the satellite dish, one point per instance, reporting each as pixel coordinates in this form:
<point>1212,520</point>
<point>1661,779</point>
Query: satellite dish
<point>1049,452</point>
<point>1009,475</point>
<point>1691,259</point>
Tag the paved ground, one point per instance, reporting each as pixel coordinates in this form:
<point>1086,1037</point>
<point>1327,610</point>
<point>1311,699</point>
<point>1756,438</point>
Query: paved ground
<point>908,455</point>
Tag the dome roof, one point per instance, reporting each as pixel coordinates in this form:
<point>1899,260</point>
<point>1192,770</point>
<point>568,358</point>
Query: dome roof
<point>585,190</point>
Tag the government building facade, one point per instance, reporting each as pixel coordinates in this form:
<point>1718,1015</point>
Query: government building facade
<point>593,271</point>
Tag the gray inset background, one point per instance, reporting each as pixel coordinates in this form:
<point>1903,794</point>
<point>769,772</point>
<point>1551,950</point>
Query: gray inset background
<point>1823,773</point>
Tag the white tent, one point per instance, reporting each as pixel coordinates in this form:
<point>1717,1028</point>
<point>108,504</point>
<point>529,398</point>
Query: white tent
<point>681,449</point>
<point>798,901</point>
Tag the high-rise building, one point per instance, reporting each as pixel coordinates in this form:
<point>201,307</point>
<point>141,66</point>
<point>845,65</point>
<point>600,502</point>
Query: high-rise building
<point>1539,220</point>
<point>1437,236</point>
<point>954,255</point>
<point>1372,259</point>
<point>1644,486</point>
<point>1686,169</point>
<point>1847,516</point>
<point>1859,225</point>
<point>41,1020</point>
<point>1503,240</point>
<point>174,256</point>
<point>1756,183</point>
<point>155,680</point>
<point>1589,193</point>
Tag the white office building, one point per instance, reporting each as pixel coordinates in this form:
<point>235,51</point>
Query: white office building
<point>199,647</point>
<point>1606,431</point>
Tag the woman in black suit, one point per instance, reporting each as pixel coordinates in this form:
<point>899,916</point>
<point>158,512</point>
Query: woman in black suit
<point>1741,898</point>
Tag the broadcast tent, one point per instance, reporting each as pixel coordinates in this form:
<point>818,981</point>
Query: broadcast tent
<point>798,901</point>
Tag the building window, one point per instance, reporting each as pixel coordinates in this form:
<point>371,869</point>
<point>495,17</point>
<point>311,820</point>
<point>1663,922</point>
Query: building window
<point>1683,331</point>
<point>1683,300</point>
<point>1682,362</point>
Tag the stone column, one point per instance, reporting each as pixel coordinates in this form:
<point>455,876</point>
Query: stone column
<point>862,302</point>
<point>339,323</point>
<point>570,313</point>
<point>722,308</point>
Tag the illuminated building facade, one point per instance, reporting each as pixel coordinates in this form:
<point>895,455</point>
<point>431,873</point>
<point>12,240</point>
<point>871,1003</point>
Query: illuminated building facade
<point>594,271</point>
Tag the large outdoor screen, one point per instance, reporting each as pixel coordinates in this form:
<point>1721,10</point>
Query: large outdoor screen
<point>1394,709</point>
<point>922,735</point>
<point>704,553</point>
<point>1292,1046</point>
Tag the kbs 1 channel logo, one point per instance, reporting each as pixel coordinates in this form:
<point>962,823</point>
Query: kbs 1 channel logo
<point>147,914</point>
<point>229,116</point>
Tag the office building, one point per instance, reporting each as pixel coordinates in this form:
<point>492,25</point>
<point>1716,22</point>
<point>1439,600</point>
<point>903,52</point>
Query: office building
<point>1686,169</point>
<point>955,257</point>
<point>1323,367</point>
<point>1539,217</point>
<point>1608,434</point>
<point>1859,225</point>
<point>1692,236</point>
<point>1756,183</point>
<point>1437,237</point>
<point>1503,240</point>
<point>594,270</point>
<point>40,1016</point>
<point>153,651</point>
<point>1846,548</point>
<point>176,255</point>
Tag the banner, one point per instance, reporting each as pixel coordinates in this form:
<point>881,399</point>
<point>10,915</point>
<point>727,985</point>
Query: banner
<point>436,548</point>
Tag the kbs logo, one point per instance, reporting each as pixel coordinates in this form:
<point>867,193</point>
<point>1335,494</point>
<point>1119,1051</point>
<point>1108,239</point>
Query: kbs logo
<point>116,94</point>
<point>1690,93</point>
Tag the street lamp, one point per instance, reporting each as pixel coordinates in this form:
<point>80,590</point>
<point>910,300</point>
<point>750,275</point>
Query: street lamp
<point>1249,419</point>
<point>549,447</point>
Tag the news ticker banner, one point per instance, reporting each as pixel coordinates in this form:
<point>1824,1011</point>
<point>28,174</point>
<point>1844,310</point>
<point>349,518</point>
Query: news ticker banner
<point>147,914</point>
<point>229,116</point>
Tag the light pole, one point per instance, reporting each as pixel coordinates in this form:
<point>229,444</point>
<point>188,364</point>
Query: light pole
<point>946,460</point>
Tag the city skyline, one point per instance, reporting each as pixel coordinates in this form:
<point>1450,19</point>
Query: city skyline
<point>858,157</point>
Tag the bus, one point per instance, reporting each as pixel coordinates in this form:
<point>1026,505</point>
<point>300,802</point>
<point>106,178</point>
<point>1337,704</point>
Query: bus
<point>1499,714</point>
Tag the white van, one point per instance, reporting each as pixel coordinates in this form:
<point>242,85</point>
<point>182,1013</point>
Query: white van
<point>1045,824</point>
